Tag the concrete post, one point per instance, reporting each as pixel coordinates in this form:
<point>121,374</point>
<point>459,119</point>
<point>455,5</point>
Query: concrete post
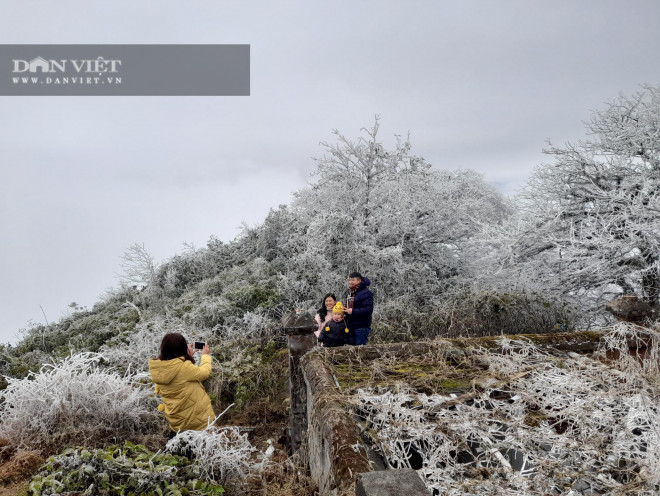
<point>299,327</point>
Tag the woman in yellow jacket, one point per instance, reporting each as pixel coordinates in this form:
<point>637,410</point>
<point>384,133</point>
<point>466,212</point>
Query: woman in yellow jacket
<point>178,382</point>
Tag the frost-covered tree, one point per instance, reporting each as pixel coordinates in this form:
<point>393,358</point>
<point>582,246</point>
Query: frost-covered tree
<point>589,224</point>
<point>389,214</point>
<point>360,170</point>
<point>138,266</point>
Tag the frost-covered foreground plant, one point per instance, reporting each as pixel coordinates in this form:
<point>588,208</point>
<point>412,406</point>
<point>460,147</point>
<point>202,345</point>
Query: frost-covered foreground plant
<point>619,341</point>
<point>117,471</point>
<point>546,424</point>
<point>75,401</point>
<point>220,454</point>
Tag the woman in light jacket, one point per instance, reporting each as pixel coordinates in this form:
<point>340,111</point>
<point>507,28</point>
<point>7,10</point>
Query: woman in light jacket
<point>178,381</point>
<point>324,315</point>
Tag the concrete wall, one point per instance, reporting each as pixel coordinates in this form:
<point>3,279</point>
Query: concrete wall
<point>335,452</point>
<point>322,429</point>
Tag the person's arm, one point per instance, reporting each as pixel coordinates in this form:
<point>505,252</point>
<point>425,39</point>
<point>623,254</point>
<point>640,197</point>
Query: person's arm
<point>192,372</point>
<point>319,323</point>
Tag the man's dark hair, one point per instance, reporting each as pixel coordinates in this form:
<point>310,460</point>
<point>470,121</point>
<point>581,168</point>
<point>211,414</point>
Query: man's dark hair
<point>355,274</point>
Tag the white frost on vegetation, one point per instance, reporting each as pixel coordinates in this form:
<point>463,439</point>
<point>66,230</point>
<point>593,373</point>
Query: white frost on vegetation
<point>221,454</point>
<point>551,424</point>
<point>144,343</point>
<point>252,325</point>
<point>74,399</point>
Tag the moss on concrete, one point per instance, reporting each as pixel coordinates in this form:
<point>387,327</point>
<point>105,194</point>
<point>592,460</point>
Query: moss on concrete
<point>421,376</point>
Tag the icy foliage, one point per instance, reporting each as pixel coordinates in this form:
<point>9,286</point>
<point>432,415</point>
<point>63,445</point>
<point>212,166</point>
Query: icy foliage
<point>397,219</point>
<point>118,470</point>
<point>138,266</point>
<point>252,325</point>
<point>74,401</point>
<point>621,336</point>
<point>587,226</point>
<point>546,424</point>
<point>144,343</point>
<point>220,454</point>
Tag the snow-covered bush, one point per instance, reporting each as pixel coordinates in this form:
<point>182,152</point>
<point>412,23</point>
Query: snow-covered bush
<point>619,341</point>
<point>119,470</point>
<point>471,312</point>
<point>135,350</point>
<point>253,325</point>
<point>251,373</point>
<point>75,401</point>
<point>219,455</point>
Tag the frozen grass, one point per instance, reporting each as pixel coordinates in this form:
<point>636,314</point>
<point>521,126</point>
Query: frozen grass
<point>75,401</point>
<point>548,424</point>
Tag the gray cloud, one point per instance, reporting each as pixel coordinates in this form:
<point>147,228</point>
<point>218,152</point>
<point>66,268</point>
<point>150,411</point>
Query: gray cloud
<point>479,84</point>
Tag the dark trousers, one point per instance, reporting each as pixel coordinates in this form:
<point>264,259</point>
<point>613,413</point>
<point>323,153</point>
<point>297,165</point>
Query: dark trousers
<point>360,336</point>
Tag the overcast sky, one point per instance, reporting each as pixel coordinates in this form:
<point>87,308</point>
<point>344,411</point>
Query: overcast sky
<point>480,85</point>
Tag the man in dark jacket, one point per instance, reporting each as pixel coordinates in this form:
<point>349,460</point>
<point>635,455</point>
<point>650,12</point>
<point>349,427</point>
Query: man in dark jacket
<point>360,307</point>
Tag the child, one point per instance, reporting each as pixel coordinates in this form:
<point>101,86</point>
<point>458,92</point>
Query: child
<point>335,331</point>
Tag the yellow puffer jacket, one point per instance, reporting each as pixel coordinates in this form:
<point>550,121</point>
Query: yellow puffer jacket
<point>178,382</point>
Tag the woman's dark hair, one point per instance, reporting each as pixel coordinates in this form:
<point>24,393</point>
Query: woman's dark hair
<point>324,311</point>
<point>174,346</point>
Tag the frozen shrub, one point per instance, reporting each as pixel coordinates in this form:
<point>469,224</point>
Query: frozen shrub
<point>253,375</point>
<point>134,354</point>
<point>207,312</point>
<point>251,325</point>
<point>220,455</point>
<point>618,341</point>
<point>144,343</point>
<point>258,325</point>
<point>493,312</point>
<point>211,287</point>
<point>253,297</point>
<point>119,470</point>
<point>75,401</point>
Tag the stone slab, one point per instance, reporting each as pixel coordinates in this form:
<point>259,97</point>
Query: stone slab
<point>391,483</point>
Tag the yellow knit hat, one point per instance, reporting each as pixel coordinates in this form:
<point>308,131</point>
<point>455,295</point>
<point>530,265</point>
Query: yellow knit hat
<point>338,308</point>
